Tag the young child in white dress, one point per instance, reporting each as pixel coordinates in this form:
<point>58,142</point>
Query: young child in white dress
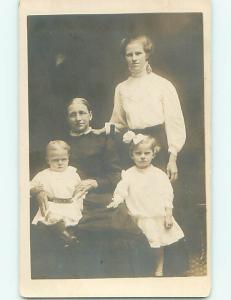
<point>54,188</point>
<point>148,194</point>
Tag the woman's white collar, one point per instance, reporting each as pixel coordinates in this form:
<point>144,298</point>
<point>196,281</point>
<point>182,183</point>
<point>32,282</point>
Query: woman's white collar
<point>72,133</point>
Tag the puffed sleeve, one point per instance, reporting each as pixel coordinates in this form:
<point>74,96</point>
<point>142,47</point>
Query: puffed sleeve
<point>36,181</point>
<point>174,120</point>
<point>118,117</point>
<point>111,166</point>
<point>121,190</point>
<point>166,190</point>
<point>76,175</point>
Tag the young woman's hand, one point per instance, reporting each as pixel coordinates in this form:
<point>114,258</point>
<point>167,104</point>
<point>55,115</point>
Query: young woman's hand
<point>172,170</point>
<point>85,186</point>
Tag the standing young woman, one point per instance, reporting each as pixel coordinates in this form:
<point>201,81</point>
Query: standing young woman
<point>148,103</point>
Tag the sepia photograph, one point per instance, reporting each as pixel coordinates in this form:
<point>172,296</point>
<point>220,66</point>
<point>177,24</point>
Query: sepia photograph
<point>115,162</point>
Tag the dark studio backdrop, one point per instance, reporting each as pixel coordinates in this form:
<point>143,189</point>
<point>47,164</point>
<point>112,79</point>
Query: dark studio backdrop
<point>79,55</point>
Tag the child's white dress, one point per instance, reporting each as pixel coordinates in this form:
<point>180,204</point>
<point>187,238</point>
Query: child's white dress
<point>147,193</point>
<point>60,187</point>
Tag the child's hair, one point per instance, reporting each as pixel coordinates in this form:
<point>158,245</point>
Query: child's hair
<point>56,145</point>
<point>154,145</point>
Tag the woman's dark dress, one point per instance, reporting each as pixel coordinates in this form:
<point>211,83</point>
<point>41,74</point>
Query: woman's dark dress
<point>111,245</point>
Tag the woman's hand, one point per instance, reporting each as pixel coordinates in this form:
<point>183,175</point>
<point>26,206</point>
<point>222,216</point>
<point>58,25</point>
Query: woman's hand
<point>85,186</point>
<point>172,170</point>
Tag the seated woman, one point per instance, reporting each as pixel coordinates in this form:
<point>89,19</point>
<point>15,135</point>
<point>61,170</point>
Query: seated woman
<point>111,244</point>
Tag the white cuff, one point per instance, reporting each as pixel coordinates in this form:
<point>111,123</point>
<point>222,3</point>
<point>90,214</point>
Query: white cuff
<point>172,150</point>
<point>107,128</point>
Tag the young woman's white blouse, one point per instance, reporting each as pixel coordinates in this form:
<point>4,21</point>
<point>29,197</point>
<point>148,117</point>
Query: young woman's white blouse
<point>146,101</point>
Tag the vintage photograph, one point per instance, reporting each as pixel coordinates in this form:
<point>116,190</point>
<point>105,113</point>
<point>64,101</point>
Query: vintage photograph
<point>116,146</point>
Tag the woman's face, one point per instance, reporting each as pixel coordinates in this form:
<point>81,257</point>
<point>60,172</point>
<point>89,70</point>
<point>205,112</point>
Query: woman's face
<point>136,57</point>
<point>79,117</point>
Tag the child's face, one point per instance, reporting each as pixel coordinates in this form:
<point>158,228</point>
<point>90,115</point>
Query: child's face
<point>58,160</point>
<point>143,155</point>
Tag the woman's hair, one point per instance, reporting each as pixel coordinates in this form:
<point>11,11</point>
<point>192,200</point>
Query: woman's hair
<point>57,145</point>
<point>145,40</point>
<point>82,101</point>
<point>154,145</point>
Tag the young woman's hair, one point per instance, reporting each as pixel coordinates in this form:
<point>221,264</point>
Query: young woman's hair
<point>57,145</point>
<point>154,145</point>
<point>82,101</point>
<point>145,40</point>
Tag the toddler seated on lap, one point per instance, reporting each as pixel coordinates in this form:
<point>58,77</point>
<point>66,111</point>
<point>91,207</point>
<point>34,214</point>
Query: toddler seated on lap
<point>55,189</point>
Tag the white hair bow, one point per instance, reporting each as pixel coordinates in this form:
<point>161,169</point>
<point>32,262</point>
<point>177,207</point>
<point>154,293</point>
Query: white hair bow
<point>130,136</point>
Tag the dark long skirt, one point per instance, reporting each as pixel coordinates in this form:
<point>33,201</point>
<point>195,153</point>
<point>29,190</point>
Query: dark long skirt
<point>111,245</point>
<point>158,132</point>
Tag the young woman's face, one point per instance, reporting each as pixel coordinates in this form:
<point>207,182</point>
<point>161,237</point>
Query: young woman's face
<point>79,117</point>
<point>58,160</point>
<point>142,155</point>
<point>136,57</point>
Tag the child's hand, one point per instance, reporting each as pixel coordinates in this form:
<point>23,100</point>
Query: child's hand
<point>113,204</point>
<point>51,218</point>
<point>79,196</point>
<point>37,189</point>
<point>84,186</point>
<point>168,221</point>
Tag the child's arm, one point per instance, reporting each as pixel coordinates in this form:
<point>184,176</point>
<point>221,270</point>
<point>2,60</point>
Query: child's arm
<point>36,187</point>
<point>79,196</point>
<point>116,200</point>
<point>78,193</point>
<point>167,198</point>
<point>37,190</point>
<point>120,193</point>
<point>42,198</point>
<point>168,218</point>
